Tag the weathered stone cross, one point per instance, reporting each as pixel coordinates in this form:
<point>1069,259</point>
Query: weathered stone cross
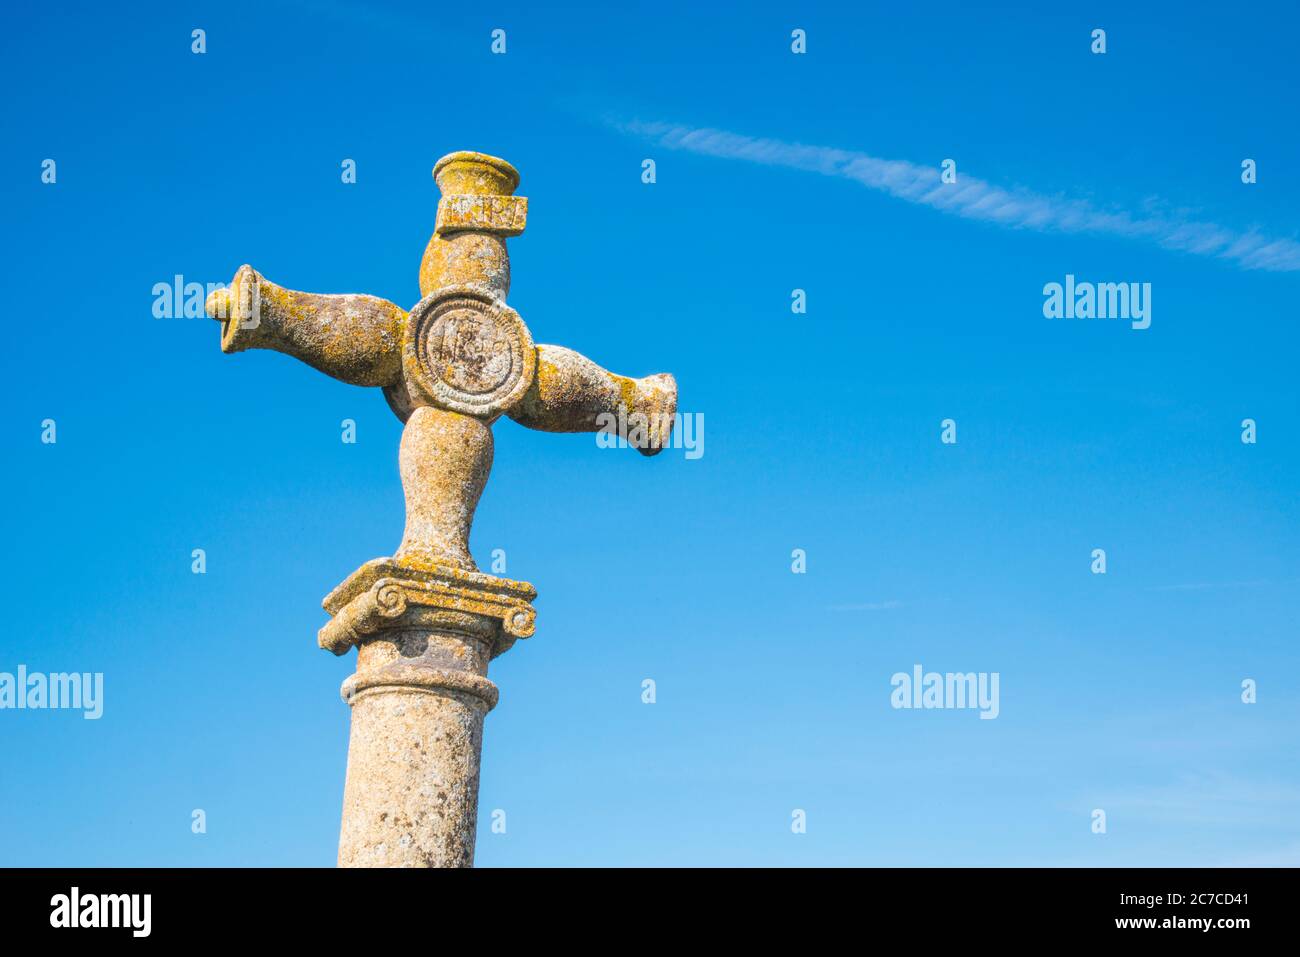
<point>426,622</point>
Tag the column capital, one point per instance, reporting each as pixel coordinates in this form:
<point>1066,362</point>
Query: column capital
<point>389,593</point>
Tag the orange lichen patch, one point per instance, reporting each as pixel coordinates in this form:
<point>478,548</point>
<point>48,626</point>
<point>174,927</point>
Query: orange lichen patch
<point>466,259</point>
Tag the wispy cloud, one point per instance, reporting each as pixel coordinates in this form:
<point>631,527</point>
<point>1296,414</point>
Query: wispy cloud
<point>974,198</point>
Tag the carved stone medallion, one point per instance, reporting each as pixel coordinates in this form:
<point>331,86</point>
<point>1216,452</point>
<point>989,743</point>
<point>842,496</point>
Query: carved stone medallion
<point>467,352</point>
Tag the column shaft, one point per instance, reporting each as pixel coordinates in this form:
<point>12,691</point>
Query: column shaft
<point>418,701</point>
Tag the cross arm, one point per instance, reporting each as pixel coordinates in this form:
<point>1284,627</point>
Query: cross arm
<point>354,338</point>
<point>570,393</point>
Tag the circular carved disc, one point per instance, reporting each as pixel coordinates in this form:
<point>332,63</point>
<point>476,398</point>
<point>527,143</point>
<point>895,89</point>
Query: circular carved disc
<point>467,352</point>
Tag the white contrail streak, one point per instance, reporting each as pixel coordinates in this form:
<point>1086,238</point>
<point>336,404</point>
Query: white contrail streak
<point>977,199</point>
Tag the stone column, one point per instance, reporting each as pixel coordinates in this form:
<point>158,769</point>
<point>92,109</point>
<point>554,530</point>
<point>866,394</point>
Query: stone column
<point>418,701</point>
<point>425,624</point>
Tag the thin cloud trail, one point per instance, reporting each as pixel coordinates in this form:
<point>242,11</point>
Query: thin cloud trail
<point>973,198</point>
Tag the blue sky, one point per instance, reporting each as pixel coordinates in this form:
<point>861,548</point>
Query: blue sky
<point>822,430</point>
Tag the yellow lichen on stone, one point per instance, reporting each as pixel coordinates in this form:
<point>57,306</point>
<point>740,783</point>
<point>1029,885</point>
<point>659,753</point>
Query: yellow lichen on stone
<point>426,622</point>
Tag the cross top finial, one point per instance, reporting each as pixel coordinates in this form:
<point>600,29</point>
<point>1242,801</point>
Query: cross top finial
<point>466,171</point>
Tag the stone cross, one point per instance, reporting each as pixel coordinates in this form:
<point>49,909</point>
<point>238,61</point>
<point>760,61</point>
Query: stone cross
<point>426,621</point>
